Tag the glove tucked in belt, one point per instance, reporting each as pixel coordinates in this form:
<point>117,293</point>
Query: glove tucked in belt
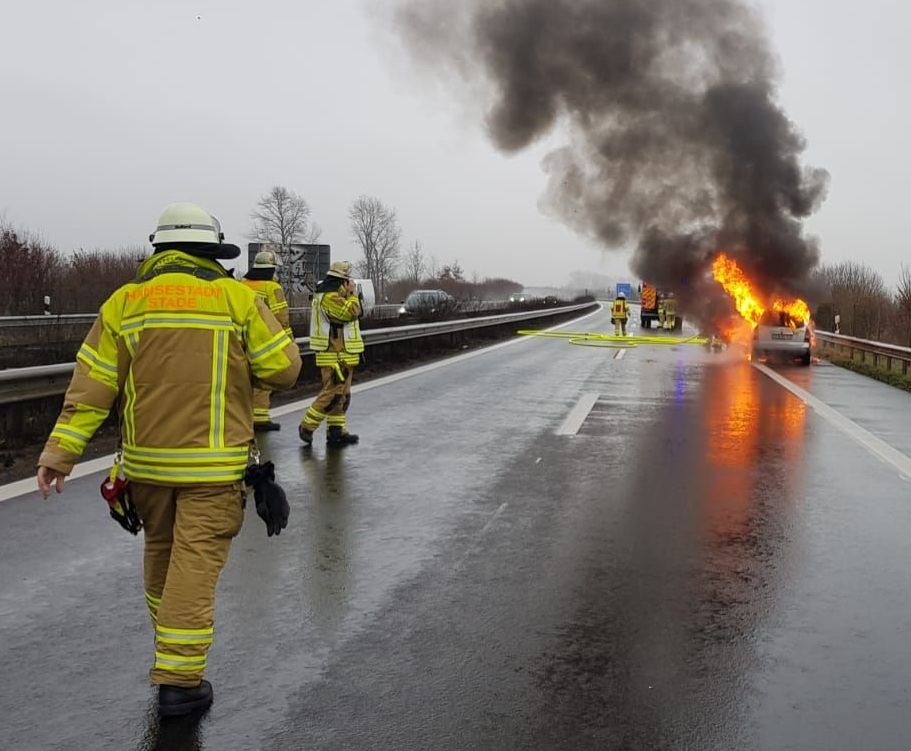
<point>271,503</point>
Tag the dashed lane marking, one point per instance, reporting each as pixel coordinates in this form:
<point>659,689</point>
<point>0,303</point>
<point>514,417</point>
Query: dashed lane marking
<point>620,354</point>
<point>876,446</point>
<point>577,415</point>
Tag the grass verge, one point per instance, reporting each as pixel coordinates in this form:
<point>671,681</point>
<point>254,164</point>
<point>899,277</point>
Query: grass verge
<point>864,368</point>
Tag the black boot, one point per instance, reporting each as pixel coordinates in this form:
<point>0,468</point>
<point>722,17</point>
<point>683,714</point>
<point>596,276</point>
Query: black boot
<point>306,435</point>
<point>262,427</point>
<point>336,438</point>
<point>174,701</point>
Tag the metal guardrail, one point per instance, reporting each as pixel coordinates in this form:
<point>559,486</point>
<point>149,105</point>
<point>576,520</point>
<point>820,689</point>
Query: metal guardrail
<point>382,312</point>
<point>65,319</point>
<point>891,354</point>
<point>20,384</point>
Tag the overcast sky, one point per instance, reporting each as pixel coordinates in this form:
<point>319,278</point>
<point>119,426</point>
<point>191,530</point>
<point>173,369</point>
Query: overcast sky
<point>113,108</point>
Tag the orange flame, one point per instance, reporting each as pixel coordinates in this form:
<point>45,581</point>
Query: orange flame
<point>750,302</point>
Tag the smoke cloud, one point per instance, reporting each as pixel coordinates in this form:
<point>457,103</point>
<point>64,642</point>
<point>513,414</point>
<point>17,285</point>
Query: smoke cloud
<point>673,140</point>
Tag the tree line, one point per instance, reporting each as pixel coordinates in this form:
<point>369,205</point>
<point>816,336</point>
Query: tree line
<point>866,306</point>
<point>80,281</point>
<point>77,282</point>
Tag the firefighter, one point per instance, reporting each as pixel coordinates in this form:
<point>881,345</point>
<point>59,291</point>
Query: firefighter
<point>335,337</point>
<point>175,349</point>
<point>619,314</point>
<point>670,312</point>
<point>661,311</point>
<point>261,279</point>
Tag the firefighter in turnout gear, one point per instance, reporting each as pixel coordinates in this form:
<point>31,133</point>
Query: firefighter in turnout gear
<point>176,350</point>
<point>261,279</point>
<point>670,312</point>
<point>619,314</point>
<point>335,337</point>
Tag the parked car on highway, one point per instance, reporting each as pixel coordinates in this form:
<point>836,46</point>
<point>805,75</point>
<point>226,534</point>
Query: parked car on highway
<point>426,303</point>
<point>781,337</point>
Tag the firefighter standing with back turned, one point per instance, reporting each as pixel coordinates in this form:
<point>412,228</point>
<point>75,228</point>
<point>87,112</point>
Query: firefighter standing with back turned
<point>261,279</point>
<point>177,349</point>
<point>335,337</point>
<point>619,314</point>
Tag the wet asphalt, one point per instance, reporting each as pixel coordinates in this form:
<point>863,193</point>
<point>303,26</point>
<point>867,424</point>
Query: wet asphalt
<point>705,564</point>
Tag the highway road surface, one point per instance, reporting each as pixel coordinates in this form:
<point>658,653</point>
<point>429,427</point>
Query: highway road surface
<point>537,546</point>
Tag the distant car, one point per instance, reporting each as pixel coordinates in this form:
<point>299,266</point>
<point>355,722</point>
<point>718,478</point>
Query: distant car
<point>422,303</point>
<point>517,298</point>
<point>781,337</point>
<point>551,300</point>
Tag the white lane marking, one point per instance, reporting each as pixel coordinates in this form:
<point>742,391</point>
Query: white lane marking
<point>620,354</point>
<point>577,415</point>
<point>876,446</point>
<point>84,469</point>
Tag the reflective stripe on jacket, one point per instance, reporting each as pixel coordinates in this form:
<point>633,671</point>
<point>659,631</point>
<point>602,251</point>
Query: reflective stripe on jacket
<point>274,297</point>
<point>620,310</point>
<point>177,348</point>
<point>335,332</point>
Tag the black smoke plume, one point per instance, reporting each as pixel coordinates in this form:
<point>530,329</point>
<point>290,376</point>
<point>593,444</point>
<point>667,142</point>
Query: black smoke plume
<point>675,143</point>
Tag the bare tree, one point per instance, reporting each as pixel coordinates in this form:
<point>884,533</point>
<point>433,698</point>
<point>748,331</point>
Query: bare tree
<point>903,302</point>
<point>415,264</point>
<point>859,295</point>
<point>283,217</point>
<point>452,271</point>
<point>376,229</point>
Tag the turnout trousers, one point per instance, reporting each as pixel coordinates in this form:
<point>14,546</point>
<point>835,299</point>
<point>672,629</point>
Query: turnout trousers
<point>188,530</point>
<point>261,399</point>
<point>331,404</point>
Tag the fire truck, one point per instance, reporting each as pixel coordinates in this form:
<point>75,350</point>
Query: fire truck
<point>651,296</point>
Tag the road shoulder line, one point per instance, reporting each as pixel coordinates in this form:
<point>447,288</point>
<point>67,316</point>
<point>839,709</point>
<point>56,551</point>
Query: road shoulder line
<point>876,446</point>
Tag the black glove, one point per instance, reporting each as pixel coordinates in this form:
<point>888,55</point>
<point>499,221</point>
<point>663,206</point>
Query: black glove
<point>271,504</point>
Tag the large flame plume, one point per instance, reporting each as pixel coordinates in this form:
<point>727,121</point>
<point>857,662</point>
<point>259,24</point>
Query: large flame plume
<point>750,302</point>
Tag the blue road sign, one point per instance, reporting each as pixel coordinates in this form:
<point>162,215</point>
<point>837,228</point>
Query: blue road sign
<point>625,287</point>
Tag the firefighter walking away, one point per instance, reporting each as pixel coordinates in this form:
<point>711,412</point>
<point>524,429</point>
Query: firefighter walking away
<point>261,279</point>
<point>335,337</point>
<point>620,314</point>
<point>175,349</point>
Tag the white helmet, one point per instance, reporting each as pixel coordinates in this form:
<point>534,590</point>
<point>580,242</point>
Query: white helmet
<point>267,259</point>
<point>621,295</point>
<point>188,223</point>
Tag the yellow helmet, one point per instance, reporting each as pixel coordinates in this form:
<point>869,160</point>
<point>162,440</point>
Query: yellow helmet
<point>267,259</point>
<point>340,269</point>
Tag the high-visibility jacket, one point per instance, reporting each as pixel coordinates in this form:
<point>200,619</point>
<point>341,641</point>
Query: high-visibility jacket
<point>177,348</point>
<point>670,307</point>
<point>272,294</point>
<point>335,332</point>
<point>620,310</point>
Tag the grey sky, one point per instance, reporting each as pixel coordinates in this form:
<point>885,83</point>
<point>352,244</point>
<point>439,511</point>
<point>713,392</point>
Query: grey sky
<point>113,108</point>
